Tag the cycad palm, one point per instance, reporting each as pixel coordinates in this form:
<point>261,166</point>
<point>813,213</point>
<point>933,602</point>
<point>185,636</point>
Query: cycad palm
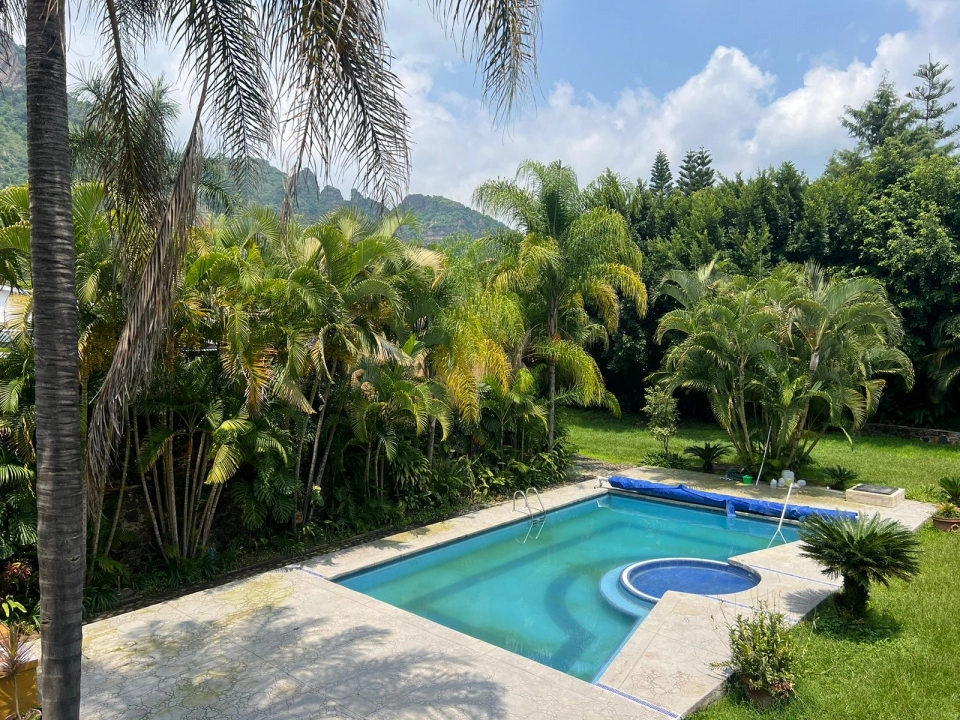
<point>863,551</point>
<point>565,261</point>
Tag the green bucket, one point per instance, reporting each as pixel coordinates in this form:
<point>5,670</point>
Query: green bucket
<point>748,479</point>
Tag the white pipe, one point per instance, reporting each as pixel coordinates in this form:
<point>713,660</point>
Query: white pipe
<point>783,515</point>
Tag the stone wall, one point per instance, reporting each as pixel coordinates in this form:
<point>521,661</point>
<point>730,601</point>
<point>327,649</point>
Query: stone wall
<point>937,437</point>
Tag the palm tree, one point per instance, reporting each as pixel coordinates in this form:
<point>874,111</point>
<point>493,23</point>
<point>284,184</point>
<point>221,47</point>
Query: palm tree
<point>335,65</point>
<point>565,261</point>
<point>798,352</point>
<point>726,331</point>
<point>862,551</point>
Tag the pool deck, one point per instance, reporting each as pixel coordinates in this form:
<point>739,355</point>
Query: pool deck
<point>291,644</point>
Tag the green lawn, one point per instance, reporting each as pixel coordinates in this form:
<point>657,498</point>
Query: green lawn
<point>903,662</point>
<point>911,464</point>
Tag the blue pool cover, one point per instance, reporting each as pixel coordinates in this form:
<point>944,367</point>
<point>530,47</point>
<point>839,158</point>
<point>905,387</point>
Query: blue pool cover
<point>650,579</point>
<point>731,503</point>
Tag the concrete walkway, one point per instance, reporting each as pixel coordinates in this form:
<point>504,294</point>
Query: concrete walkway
<point>291,644</point>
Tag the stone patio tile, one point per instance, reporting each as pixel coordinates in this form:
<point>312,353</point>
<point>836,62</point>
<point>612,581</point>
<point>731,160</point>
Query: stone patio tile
<point>675,676</point>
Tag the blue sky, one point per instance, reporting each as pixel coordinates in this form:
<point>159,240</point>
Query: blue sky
<point>660,44</point>
<point>757,82</point>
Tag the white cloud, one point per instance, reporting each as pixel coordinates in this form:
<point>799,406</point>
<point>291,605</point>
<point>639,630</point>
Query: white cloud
<point>730,107</point>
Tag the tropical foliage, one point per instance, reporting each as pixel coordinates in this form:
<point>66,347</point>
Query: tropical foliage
<point>708,453</point>
<point>785,357</point>
<point>314,380</point>
<point>566,261</point>
<point>863,551</point>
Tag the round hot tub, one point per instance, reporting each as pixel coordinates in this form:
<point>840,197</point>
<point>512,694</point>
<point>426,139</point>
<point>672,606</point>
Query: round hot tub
<point>650,579</point>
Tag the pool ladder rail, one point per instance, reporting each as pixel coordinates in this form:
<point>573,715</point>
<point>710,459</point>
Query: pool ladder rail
<point>537,520</point>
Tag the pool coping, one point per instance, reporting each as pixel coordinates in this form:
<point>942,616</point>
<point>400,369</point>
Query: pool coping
<point>667,664</point>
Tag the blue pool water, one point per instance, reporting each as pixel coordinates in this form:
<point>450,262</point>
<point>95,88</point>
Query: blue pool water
<point>539,596</point>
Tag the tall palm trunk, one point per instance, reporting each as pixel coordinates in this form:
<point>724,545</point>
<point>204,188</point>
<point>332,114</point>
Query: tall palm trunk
<point>431,439</point>
<point>552,331</point>
<point>60,526</point>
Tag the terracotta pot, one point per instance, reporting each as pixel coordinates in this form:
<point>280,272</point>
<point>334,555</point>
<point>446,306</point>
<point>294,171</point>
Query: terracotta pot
<point>26,691</point>
<point>23,692</point>
<point>945,524</point>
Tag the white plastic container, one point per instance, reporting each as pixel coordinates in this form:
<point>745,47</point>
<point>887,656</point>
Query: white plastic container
<point>788,475</point>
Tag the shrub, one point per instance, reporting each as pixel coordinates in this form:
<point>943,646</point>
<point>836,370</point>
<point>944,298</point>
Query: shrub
<point>763,654</point>
<point>950,489</point>
<point>947,510</point>
<point>709,453</point>
<point>664,460</point>
<point>840,477</point>
<point>862,551</point>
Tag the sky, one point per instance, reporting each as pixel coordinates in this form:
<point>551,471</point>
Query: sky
<point>756,82</point>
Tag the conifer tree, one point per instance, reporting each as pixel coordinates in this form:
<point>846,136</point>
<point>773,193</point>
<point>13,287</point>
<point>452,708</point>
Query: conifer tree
<point>883,116</point>
<point>927,97</point>
<point>696,171</point>
<point>661,178</point>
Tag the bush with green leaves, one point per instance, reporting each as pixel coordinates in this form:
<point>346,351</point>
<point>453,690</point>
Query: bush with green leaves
<point>863,551</point>
<point>763,653</point>
<point>840,477</point>
<point>709,453</point>
<point>950,489</point>
<point>948,511</point>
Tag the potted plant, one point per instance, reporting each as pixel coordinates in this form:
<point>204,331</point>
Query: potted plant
<point>763,657</point>
<point>18,674</point>
<point>947,516</point>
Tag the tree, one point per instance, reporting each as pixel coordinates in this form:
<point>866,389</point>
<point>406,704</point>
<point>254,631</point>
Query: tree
<point>884,116</point>
<point>696,171</point>
<point>928,96</point>
<point>863,551</point>
<point>332,58</point>
<point>59,485</point>
<point>661,178</point>
<point>661,411</point>
<point>795,353</point>
<point>564,259</point>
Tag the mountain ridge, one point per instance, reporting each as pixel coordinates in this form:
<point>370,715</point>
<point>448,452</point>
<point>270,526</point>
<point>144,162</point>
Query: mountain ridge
<point>438,217</point>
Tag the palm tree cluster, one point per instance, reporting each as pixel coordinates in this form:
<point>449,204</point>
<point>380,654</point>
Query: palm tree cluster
<point>785,357</point>
<point>328,365</point>
<point>312,376</point>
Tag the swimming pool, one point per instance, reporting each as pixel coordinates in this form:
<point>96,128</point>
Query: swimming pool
<point>538,594</point>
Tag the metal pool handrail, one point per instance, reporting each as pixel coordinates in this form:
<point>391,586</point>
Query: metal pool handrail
<point>543,510</point>
<point>526,504</point>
